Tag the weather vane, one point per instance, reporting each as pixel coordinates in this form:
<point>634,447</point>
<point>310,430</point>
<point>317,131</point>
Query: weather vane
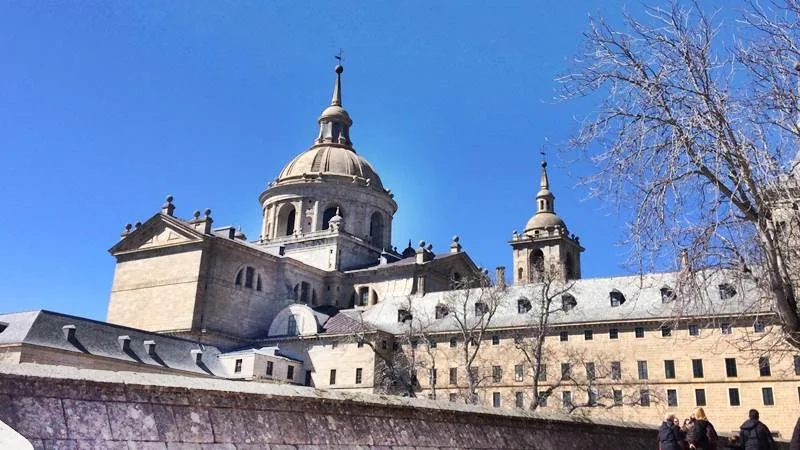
<point>339,56</point>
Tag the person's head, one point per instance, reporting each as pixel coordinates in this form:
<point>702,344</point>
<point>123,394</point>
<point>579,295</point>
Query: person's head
<point>699,414</point>
<point>753,414</point>
<point>669,417</point>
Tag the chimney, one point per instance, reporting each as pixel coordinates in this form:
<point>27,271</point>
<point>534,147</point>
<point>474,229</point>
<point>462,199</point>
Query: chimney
<point>69,332</point>
<point>168,208</point>
<point>150,347</point>
<point>124,343</point>
<point>500,276</point>
<point>197,355</point>
<point>455,247</point>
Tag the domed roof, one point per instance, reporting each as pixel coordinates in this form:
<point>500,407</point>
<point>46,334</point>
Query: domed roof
<point>330,160</point>
<point>543,220</point>
<point>335,113</point>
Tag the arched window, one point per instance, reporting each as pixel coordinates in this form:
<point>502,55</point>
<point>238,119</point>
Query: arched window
<point>239,277</point>
<point>328,214</point>
<point>363,296</point>
<point>291,326</point>
<point>568,302</point>
<point>520,273</point>
<point>286,221</point>
<point>376,229</point>
<point>537,265</point>
<point>249,278</point>
<point>304,288</point>
<point>249,274</point>
<point>617,298</point>
<point>667,294</point>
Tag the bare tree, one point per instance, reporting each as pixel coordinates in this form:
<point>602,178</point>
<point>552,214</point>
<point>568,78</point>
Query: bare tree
<point>701,139</point>
<point>471,310</point>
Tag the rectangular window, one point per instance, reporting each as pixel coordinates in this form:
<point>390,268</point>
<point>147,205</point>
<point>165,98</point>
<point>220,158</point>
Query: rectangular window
<point>270,367</point>
<point>700,397</point>
<point>290,372</point>
<point>395,346</point>
<point>360,343</point>
<point>697,368</point>
<point>725,328</point>
<point>669,369</point>
<point>496,399</point>
<point>694,330</point>
<point>758,327</point>
<point>797,364</point>
<point>332,379</point>
<point>642,366</point>
<point>542,399</point>
<point>587,335</point>
<point>672,397</point>
<point>563,336</point>
<point>237,368</point>
<point>617,397</point>
<point>249,274</point>
<point>383,345</point>
<point>566,399</point>
<point>730,367</point>
<point>542,372</point>
<point>566,371</point>
<point>733,396</point>
<point>453,342</point>
<point>763,366</point>
<point>497,374</point>
<point>359,372</point>
<point>518,400</point>
<point>666,331</point>
<point>518,372</point>
<point>495,340</point>
<point>453,397</point>
<point>432,376</point>
<point>644,397</point>
<point>453,375</point>
<point>432,344</point>
<point>766,395</point>
<point>613,333</point>
<point>616,370</point>
<point>592,397</point>
<point>473,373</point>
<point>414,344</point>
<point>639,332</point>
<point>590,372</point>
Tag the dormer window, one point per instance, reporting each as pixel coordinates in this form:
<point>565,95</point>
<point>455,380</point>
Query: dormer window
<point>442,311</point>
<point>616,297</point>
<point>568,302</point>
<point>481,308</point>
<point>291,326</point>
<point>523,305</point>
<point>667,294</point>
<point>726,291</point>
<point>404,315</point>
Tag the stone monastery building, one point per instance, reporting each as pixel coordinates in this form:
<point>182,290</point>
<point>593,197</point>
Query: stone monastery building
<point>323,298</point>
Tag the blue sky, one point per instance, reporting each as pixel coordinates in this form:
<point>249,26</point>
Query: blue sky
<point>107,107</point>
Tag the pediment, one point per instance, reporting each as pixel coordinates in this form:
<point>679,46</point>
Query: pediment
<point>156,233</point>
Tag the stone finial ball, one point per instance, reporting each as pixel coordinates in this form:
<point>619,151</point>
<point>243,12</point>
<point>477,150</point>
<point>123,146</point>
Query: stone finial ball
<point>456,238</point>
<point>422,243</point>
<point>128,227</point>
<point>196,213</point>
<point>339,68</point>
<point>169,199</point>
<point>207,212</point>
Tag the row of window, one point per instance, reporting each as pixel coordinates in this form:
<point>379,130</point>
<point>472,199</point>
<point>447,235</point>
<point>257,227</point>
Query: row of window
<point>731,370</point>
<point>247,277</point>
<point>269,371</point>
<point>358,379</point>
<point>644,398</point>
<point>666,331</point>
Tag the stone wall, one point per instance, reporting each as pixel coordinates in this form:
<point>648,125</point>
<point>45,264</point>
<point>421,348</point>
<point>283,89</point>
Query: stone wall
<point>59,407</point>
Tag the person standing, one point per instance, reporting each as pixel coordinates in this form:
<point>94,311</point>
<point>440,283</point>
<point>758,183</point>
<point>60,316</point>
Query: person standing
<point>701,435</point>
<point>669,435</point>
<point>754,434</point>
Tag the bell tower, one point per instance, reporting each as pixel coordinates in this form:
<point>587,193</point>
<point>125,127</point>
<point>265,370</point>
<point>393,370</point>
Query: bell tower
<point>545,249</point>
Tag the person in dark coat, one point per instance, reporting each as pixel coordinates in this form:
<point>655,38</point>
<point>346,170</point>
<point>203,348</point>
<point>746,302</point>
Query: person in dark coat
<point>754,434</point>
<point>701,433</point>
<point>669,435</point>
<point>794,444</point>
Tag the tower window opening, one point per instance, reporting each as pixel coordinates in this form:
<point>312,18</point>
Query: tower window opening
<point>290,217</point>
<point>537,265</point>
<point>328,214</point>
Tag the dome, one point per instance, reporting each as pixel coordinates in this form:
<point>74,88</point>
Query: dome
<point>330,160</point>
<point>543,220</point>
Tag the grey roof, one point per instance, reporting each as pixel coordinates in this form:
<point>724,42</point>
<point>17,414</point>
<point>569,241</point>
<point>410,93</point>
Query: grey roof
<point>405,262</point>
<point>45,328</point>
<point>643,302</point>
<point>273,351</point>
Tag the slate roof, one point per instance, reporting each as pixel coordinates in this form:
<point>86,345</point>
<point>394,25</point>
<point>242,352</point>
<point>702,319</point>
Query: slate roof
<point>642,293</point>
<point>44,328</point>
<point>273,351</point>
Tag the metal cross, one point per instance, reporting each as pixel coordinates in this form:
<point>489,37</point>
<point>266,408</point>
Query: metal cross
<point>340,56</point>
